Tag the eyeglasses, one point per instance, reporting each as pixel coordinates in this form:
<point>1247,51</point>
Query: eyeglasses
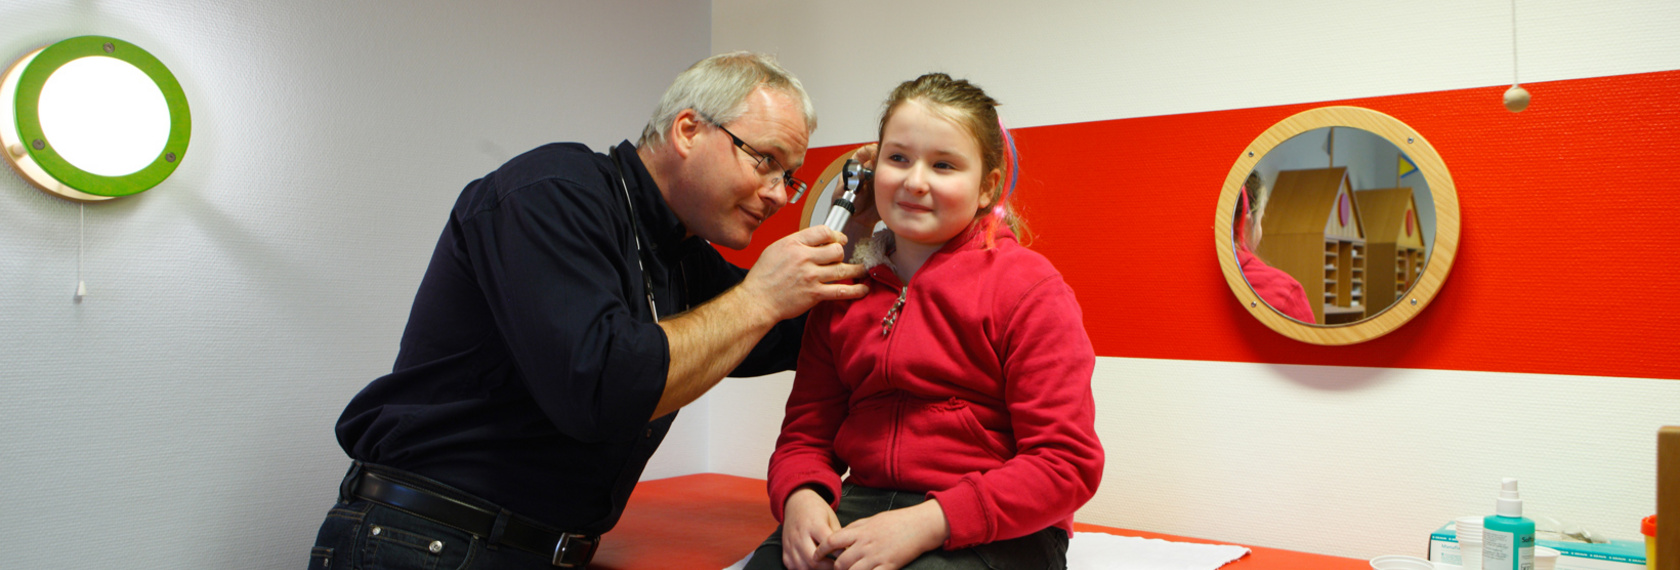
<point>797,186</point>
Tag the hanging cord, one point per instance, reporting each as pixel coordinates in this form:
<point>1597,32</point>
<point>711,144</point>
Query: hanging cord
<point>1514,43</point>
<point>1516,98</point>
<point>81,242</point>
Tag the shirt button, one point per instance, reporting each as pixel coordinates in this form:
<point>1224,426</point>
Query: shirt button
<point>436,547</point>
<point>649,433</point>
<point>376,530</point>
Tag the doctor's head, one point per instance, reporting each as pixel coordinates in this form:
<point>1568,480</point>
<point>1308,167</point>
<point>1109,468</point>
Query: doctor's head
<point>724,142</point>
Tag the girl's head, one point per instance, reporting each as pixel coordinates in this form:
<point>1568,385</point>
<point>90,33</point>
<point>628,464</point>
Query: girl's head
<point>941,163</point>
<point>1249,206</point>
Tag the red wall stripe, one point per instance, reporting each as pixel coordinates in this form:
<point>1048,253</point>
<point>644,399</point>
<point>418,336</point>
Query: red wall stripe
<point>1566,263</point>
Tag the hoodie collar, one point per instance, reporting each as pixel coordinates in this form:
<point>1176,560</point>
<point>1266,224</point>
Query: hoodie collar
<point>875,252</point>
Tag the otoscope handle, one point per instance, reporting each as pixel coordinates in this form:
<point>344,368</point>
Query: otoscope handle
<point>839,214</point>
<point>852,177</point>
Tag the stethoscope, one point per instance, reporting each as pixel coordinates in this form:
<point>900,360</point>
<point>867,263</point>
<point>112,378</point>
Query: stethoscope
<point>635,232</point>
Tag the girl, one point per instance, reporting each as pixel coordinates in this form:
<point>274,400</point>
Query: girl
<point>1273,285</point>
<point>957,391</point>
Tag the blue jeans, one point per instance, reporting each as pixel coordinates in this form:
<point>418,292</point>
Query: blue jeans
<point>361,535</point>
<point>1042,550</point>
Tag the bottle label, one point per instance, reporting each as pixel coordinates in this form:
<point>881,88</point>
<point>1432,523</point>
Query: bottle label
<point>1498,549</point>
<point>1506,551</point>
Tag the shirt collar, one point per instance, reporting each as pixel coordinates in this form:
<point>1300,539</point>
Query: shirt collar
<point>666,233</point>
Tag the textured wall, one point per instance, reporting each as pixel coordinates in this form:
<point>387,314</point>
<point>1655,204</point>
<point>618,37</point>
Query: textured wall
<point>182,416</point>
<point>1548,357</point>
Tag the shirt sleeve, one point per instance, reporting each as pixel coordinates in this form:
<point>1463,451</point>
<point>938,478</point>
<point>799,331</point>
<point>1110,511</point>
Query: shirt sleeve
<point>1048,362</point>
<point>815,409</point>
<point>779,349</point>
<point>560,279</point>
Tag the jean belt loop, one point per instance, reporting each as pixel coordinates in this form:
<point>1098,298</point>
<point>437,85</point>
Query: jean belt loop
<point>500,527</point>
<point>347,487</point>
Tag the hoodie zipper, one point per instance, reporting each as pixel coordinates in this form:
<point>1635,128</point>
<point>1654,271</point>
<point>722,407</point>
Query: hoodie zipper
<point>891,319</point>
<point>887,323</point>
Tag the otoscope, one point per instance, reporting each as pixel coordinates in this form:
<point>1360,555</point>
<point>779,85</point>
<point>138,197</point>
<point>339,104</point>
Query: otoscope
<point>852,176</point>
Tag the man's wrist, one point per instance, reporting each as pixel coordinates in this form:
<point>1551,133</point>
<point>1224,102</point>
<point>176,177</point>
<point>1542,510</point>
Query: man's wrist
<point>740,302</point>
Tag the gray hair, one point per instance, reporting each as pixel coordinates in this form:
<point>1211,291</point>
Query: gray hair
<point>717,88</point>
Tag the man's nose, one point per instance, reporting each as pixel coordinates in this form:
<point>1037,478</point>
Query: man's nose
<point>775,192</point>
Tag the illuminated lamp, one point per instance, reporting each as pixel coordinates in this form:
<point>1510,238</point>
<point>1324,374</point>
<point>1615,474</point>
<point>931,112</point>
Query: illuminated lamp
<point>93,118</point>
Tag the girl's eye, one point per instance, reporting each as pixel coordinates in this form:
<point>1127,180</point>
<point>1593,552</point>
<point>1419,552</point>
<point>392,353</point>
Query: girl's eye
<point>896,158</point>
<point>942,165</point>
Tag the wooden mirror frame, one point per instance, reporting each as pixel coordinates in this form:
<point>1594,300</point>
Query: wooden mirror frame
<point>815,194</point>
<point>1441,253</point>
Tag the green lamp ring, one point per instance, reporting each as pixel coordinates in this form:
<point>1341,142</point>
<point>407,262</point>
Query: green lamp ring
<point>39,147</point>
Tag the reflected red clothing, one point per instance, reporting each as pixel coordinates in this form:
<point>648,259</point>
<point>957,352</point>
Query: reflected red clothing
<point>978,396</point>
<point>1275,287</point>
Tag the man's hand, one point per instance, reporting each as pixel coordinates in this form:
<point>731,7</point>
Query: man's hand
<point>791,276</point>
<point>807,520</point>
<point>800,270</point>
<point>889,540</point>
<point>864,215</point>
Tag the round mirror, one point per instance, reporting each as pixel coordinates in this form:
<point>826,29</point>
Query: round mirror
<point>1337,225</point>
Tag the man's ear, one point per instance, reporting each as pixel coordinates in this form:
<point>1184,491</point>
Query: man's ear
<point>685,129</point>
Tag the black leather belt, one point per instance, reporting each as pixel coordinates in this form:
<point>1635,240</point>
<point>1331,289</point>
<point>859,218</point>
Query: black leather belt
<point>499,526</point>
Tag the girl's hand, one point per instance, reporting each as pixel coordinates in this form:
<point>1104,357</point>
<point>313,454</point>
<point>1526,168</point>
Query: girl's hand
<point>889,540</point>
<point>807,520</point>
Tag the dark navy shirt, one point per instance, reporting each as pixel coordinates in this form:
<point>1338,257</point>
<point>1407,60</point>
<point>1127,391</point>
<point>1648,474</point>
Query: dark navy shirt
<point>530,364</point>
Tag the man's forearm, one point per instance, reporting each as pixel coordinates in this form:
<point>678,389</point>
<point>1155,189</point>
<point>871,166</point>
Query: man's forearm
<point>706,343</point>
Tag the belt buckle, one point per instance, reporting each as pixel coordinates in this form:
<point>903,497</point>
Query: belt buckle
<point>574,551</point>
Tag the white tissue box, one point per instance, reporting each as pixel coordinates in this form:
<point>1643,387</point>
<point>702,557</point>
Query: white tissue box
<point>1617,555</point>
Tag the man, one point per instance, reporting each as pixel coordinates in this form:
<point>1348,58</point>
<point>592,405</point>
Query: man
<point>533,381</point>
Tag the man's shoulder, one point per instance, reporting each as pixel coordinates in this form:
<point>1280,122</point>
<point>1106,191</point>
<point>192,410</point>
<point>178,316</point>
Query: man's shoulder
<point>571,163</point>
<point>552,169</point>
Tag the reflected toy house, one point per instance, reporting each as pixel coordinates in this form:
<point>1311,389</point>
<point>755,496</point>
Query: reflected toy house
<point>1314,233</point>
<point>1394,240</point>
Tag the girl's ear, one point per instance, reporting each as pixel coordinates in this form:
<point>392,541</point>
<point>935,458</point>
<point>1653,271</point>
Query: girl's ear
<point>989,188</point>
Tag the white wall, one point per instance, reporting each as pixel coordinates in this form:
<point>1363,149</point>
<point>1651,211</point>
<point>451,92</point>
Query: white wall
<point>182,416</point>
<point>1346,461</point>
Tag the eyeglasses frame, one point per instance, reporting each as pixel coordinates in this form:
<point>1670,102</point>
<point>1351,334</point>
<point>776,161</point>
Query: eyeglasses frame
<point>786,179</point>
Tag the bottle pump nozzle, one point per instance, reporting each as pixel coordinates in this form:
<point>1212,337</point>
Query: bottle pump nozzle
<point>1510,503</point>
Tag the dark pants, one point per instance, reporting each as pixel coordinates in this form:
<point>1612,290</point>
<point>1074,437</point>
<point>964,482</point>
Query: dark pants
<point>362,535</point>
<point>1045,549</point>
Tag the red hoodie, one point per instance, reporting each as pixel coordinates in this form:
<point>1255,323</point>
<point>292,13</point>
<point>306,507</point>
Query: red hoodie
<point>978,394</point>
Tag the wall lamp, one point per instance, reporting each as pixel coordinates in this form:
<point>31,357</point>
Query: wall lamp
<point>93,118</point>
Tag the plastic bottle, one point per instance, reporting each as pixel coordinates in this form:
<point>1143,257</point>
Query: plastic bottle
<point>1507,537</point>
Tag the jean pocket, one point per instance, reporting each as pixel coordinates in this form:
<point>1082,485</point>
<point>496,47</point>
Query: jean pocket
<point>338,536</point>
<point>393,540</point>
<point>320,558</point>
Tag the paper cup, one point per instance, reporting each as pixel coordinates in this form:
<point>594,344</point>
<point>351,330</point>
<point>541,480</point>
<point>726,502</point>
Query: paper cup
<point>1468,527</point>
<point>1471,551</point>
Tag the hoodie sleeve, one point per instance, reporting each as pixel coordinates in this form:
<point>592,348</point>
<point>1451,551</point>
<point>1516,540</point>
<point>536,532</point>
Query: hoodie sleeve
<point>815,409</point>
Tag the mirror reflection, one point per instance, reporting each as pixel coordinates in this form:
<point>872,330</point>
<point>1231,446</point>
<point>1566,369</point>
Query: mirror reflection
<point>1333,226</point>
